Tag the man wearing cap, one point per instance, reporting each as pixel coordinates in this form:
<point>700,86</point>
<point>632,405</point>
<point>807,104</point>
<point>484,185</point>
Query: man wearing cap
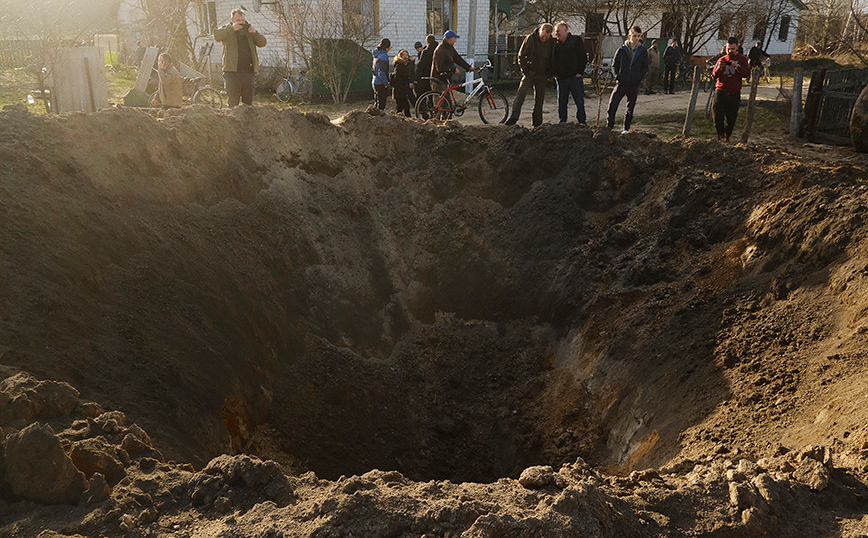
<point>445,59</point>
<point>423,67</point>
<point>535,61</point>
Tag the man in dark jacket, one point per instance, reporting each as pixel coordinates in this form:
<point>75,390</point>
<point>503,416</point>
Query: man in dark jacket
<point>240,59</point>
<point>535,61</point>
<point>630,67</point>
<point>446,57</point>
<point>757,55</point>
<point>671,59</point>
<point>570,62</point>
<point>423,66</point>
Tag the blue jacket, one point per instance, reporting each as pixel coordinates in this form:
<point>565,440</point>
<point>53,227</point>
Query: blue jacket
<point>627,72</point>
<point>381,67</point>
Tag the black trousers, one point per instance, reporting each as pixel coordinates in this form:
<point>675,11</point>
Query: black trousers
<point>239,87</point>
<point>402,100</point>
<point>669,78</point>
<point>725,107</point>
<point>381,92</point>
<point>631,92</point>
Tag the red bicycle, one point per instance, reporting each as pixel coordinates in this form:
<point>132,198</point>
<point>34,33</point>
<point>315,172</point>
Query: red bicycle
<point>493,106</point>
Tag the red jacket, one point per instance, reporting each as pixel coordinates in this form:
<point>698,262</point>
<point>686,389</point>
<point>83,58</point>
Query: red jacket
<point>727,75</point>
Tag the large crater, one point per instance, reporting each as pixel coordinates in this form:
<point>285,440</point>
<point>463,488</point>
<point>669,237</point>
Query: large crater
<point>453,303</point>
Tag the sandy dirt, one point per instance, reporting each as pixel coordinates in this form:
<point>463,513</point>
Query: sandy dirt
<point>267,323</point>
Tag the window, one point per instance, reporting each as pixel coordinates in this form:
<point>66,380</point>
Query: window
<point>360,18</point>
<point>440,16</point>
<point>594,23</point>
<point>208,16</point>
<point>784,32</point>
<point>670,26</point>
<point>759,30</point>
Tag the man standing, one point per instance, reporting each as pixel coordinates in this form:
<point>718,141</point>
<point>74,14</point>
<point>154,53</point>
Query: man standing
<point>423,67</point>
<point>671,59</point>
<point>240,59</point>
<point>728,72</point>
<point>535,61</point>
<point>630,67</point>
<point>653,68</point>
<point>570,62</point>
<point>446,57</point>
<point>757,55</point>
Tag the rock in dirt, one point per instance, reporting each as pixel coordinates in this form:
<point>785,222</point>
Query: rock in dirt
<point>39,470</point>
<point>812,473</point>
<point>96,455</point>
<point>27,398</point>
<point>537,477</point>
<point>243,470</point>
<point>97,490</point>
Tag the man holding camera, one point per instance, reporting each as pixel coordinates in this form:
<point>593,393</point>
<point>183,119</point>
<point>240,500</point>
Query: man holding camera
<point>240,59</point>
<point>728,72</point>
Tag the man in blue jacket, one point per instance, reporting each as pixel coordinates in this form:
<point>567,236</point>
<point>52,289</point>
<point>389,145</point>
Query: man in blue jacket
<point>630,67</point>
<point>380,72</point>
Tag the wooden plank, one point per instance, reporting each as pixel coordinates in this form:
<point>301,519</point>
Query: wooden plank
<point>796,109</point>
<point>145,69</point>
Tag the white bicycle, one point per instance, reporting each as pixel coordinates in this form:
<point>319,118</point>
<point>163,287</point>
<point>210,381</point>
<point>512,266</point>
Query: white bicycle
<point>493,106</point>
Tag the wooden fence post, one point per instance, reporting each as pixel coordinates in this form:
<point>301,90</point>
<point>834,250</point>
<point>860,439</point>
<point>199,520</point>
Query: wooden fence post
<point>751,103</point>
<point>796,110</point>
<point>691,109</point>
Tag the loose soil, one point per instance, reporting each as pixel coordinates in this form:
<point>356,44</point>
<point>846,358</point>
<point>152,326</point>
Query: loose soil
<point>377,327</point>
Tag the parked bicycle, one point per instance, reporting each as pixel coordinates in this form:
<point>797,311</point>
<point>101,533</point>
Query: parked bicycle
<point>493,106</point>
<point>293,89</point>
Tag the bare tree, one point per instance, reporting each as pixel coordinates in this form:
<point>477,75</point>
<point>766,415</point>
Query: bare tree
<point>330,38</point>
<point>165,26</point>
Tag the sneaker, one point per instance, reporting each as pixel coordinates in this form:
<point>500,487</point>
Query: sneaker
<point>625,131</point>
<point>511,121</point>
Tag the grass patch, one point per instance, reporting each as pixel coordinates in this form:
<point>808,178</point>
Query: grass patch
<point>766,119</point>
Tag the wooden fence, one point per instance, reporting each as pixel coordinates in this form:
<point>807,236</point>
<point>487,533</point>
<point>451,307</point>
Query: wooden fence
<point>18,52</point>
<point>829,104</point>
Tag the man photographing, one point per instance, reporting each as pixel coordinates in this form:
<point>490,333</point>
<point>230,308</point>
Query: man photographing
<point>240,59</point>
<point>729,71</point>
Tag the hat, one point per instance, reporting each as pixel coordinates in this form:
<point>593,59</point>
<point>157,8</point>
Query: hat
<point>449,34</point>
<point>418,45</point>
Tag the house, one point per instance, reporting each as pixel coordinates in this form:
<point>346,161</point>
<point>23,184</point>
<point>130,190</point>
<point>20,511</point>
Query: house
<point>771,22</point>
<point>402,21</point>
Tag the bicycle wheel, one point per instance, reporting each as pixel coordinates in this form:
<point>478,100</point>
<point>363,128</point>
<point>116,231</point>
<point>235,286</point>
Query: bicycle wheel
<point>283,92</point>
<point>427,107</point>
<point>493,107</point>
<point>208,96</point>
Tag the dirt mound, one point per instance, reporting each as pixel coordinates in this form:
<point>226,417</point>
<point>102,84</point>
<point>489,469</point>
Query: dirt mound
<point>446,303</point>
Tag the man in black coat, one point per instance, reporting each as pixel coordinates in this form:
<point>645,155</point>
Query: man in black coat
<point>535,61</point>
<point>446,58</point>
<point>423,66</point>
<point>570,62</point>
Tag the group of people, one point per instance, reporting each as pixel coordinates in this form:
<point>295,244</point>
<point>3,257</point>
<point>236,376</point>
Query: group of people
<point>540,58</point>
<point>408,78</point>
